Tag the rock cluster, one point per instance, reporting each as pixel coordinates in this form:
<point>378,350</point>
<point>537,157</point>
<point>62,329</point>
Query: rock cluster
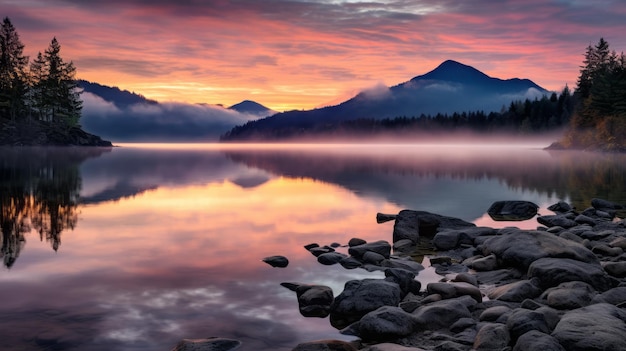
<point>560,287</point>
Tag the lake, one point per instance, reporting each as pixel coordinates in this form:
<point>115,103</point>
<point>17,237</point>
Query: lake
<point>139,246</point>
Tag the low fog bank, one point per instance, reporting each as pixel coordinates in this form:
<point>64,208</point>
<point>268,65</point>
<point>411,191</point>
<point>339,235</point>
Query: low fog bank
<point>162,122</point>
<point>428,138</point>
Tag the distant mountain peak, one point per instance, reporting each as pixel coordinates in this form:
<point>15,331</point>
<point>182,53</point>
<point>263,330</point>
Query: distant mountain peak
<point>453,71</point>
<point>251,107</point>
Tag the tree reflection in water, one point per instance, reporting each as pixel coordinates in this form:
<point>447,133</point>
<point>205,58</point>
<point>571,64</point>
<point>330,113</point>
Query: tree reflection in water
<point>39,190</point>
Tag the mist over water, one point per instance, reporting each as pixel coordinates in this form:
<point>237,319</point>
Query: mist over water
<point>139,246</point>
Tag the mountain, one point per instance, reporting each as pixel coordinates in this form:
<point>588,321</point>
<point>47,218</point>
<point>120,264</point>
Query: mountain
<point>120,98</point>
<point>451,87</point>
<point>252,108</point>
<point>124,116</point>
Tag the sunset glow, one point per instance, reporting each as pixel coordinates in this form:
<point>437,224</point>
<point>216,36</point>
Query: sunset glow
<point>290,54</point>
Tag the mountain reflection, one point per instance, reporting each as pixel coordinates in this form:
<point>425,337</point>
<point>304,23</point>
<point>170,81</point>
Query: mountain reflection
<point>39,190</point>
<point>395,173</point>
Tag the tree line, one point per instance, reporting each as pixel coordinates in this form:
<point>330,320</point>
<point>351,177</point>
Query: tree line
<point>599,119</point>
<point>520,117</point>
<point>44,89</point>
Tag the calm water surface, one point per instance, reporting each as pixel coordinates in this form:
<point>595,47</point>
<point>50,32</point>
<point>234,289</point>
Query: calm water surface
<point>137,247</point>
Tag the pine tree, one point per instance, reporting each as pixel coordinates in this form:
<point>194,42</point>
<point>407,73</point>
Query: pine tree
<point>13,79</point>
<point>60,99</point>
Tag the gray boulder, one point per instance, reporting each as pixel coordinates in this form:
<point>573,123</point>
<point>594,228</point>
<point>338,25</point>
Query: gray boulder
<point>452,290</point>
<point>519,248</point>
<point>613,296</point>
<point>597,327</point>
<point>313,300</point>
<point>411,224</point>
<point>601,204</point>
<point>616,269</point>
<point>380,247</point>
<point>444,313</point>
<point>512,210</point>
<point>209,344</point>
<point>491,336</point>
<point>515,292</point>
<point>360,297</point>
<point>536,340</point>
<point>557,220</point>
<point>560,207</point>
<point>330,258</point>
<point>448,239</point>
<point>405,280</point>
<point>384,324</point>
<point>551,272</point>
<point>569,295</point>
<point>521,321</point>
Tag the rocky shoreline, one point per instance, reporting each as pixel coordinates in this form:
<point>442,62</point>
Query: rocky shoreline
<point>560,287</point>
<point>40,133</point>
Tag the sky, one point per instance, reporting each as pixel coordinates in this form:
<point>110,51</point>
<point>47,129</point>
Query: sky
<point>299,54</point>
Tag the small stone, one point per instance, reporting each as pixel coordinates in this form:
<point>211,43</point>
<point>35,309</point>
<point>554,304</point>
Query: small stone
<point>492,336</point>
<point>276,261</point>
<point>356,242</point>
<point>331,258</point>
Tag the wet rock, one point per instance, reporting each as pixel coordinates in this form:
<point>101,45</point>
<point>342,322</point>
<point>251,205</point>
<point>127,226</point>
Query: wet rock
<point>515,292</point>
<point>380,247</point>
<point>360,297</point>
<point>313,300</point>
<point>602,204</point>
<point>451,290</point>
<point>560,207</point>
<point>606,250</point>
<point>592,328</point>
<point>582,219</point>
<point>331,258</point>
<point>356,242</point>
<point>276,261</point>
<point>325,345</point>
<point>499,277</point>
<point>317,251</point>
<point>350,263</point>
<point>491,336</point>
<point>449,239</point>
<point>569,296</point>
<point>373,257</point>
<point>405,280</point>
<point>210,344</point>
<point>519,248</point>
<point>512,210</point>
<point>411,224</point>
<point>521,321</point>
<point>536,340</point>
<point>405,263</point>
<point>382,217</point>
<point>466,277</point>
<point>551,272</point>
<point>613,296</point>
<point>488,263</point>
<point>495,313</point>
<point>557,220</point>
<point>444,313</point>
<point>383,324</point>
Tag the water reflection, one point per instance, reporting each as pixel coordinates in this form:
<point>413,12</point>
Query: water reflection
<point>167,243</point>
<point>39,190</point>
<point>469,176</point>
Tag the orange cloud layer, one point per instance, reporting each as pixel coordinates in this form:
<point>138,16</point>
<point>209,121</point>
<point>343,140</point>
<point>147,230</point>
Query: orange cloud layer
<point>292,55</point>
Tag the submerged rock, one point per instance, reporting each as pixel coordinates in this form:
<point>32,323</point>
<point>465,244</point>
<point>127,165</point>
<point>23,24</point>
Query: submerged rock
<point>512,210</point>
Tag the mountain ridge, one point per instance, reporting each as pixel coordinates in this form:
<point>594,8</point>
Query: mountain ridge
<point>451,87</point>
